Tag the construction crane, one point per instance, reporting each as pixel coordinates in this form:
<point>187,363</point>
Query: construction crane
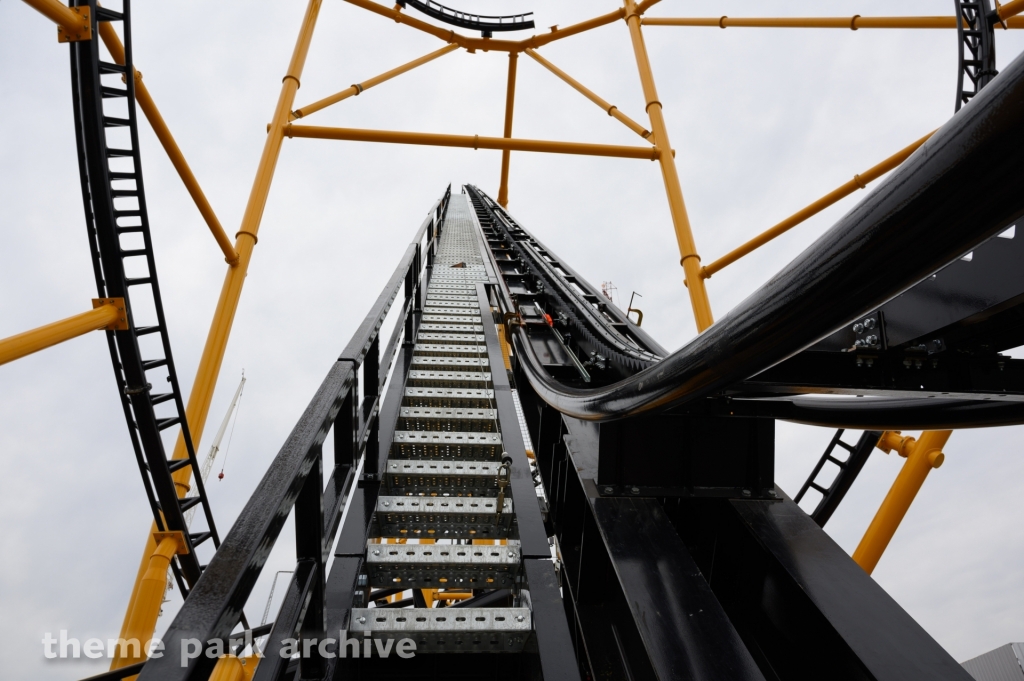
<point>211,456</point>
<point>520,482</point>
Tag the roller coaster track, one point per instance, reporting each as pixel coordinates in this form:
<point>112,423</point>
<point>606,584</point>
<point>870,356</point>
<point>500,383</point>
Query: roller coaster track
<point>117,222</point>
<point>523,472</point>
<point>476,22</point>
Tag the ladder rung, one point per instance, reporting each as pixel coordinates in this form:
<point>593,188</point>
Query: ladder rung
<point>177,464</point>
<point>110,92</point>
<point>121,176</point>
<point>162,397</point>
<point>146,330</point>
<point>111,153</point>
<point>115,122</point>
<point>188,502</point>
<point>108,67</point>
<point>136,282</point>
<point>164,424</point>
<point>153,363</point>
<point>104,14</point>
<point>134,252</point>
<point>199,537</point>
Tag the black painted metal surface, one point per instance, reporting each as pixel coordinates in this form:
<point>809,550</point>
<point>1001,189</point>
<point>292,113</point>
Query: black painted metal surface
<point>477,22</point>
<point>912,224</point>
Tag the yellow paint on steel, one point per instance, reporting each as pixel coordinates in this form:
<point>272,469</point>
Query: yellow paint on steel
<point>234,668</point>
<point>198,407</point>
<point>922,456</point>
<point>354,90</point>
<point>107,313</point>
<point>469,141</point>
<point>163,133</point>
<point>853,23</point>
<point>150,596</point>
<point>510,102</point>
<point>505,352</point>
<point>73,23</point>
<point>610,109</point>
<point>680,220</point>
<point>487,44</point>
<point>1009,9</point>
<point>842,191</point>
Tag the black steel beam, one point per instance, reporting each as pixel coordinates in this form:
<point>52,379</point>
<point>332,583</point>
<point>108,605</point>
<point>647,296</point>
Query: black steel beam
<point>915,222</point>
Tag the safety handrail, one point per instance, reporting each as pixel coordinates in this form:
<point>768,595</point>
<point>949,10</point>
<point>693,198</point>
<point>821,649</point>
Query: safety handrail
<point>295,480</point>
<point>907,228</point>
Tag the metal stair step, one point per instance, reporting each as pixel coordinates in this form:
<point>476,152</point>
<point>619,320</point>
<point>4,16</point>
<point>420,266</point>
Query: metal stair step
<point>443,566</point>
<point>460,297</point>
<point>451,328</point>
<point>439,419</point>
<point>435,350</point>
<point>448,397</point>
<point>451,363</point>
<point>443,518</point>
<point>473,319</point>
<point>445,630</point>
<point>430,378</point>
<point>423,476</point>
<point>447,446</point>
<point>450,338</point>
<point>471,311</point>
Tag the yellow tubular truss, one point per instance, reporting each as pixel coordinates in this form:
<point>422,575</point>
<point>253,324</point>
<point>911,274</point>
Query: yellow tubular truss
<point>107,313</point>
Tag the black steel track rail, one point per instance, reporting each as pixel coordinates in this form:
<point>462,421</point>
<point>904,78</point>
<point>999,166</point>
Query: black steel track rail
<point>477,22</point>
<point>581,309</point>
<point>976,48</point>
<point>106,130</point>
<point>910,226</point>
<point>295,480</point>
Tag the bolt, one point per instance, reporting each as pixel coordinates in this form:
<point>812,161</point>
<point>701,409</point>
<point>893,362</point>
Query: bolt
<point>871,340</point>
<point>746,492</point>
<point>387,503</point>
<point>609,490</point>
<point>362,620</point>
<point>771,493</point>
<point>869,324</point>
<point>376,552</point>
<point>635,490</point>
<point>858,327</point>
<point>519,618</point>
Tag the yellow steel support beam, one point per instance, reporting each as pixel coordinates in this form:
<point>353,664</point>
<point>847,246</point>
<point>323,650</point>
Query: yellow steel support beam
<point>610,109</point>
<point>198,407</point>
<point>680,220</point>
<point>1009,9</point>
<point>487,44</point>
<point>354,90</point>
<point>506,154</point>
<point>858,182</point>
<point>575,29</point>
<point>851,23</point>
<point>149,598</point>
<point>73,23</point>
<point>107,313</point>
<point>163,133</point>
<point>922,456</point>
<point>471,142</point>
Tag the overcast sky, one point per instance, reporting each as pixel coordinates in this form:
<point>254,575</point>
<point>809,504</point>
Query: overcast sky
<point>763,121</point>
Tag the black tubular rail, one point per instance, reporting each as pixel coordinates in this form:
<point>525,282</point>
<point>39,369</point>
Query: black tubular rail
<point>910,226</point>
<point>587,312</point>
<point>477,22</point>
<point>295,479</point>
<point>124,267</point>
